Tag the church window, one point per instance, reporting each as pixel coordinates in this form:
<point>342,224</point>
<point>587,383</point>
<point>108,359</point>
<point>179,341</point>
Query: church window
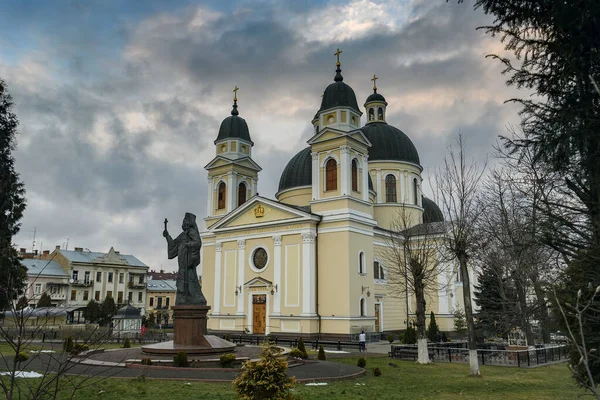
<point>363,307</point>
<point>390,189</point>
<point>331,175</point>
<point>354,175</point>
<point>415,191</point>
<point>242,194</point>
<point>361,263</point>
<point>380,114</point>
<point>378,271</point>
<point>221,202</point>
<point>371,114</point>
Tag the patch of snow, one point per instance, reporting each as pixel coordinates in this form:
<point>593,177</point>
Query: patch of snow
<point>24,374</point>
<point>336,351</point>
<point>42,351</point>
<point>316,384</point>
<point>360,384</point>
<point>187,383</point>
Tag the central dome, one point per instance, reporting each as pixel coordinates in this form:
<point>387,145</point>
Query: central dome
<point>389,143</point>
<point>234,126</point>
<point>339,94</point>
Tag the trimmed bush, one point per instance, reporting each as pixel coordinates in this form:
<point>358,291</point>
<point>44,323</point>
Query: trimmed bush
<point>227,337</point>
<point>78,348</point>
<point>376,371</point>
<point>362,362</point>
<point>226,360</point>
<point>146,361</point>
<point>126,343</point>
<point>265,378</point>
<point>390,338</point>
<point>302,348</point>
<point>321,355</point>
<point>68,344</point>
<point>433,333</point>
<point>180,360</point>
<point>296,353</point>
<point>21,357</point>
<point>410,336</point>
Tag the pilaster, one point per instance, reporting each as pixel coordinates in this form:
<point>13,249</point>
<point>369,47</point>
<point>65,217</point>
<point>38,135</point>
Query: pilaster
<point>217,286</point>
<point>277,274</point>
<point>308,274</point>
<point>316,174</point>
<point>365,177</point>
<point>345,166</point>
<point>240,282</point>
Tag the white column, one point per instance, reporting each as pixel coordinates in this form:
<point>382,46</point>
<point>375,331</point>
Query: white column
<point>365,177</point>
<point>254,187</point>
<point>230,191</point>
<point>277,274</point>
<point>211,195</point>
<point>406,187</point>
<point>379,193</point>
<point>240,283</point>
<point>345,166</point>
<point>316,173</point>
<point>308,274</point>
<point>217,286</point>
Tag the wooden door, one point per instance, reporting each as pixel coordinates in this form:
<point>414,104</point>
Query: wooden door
<point>377,317</point>
<point>259,314</point>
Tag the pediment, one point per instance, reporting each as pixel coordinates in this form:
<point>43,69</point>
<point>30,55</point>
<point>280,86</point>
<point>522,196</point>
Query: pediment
<point>112,257</point>
<point>258,282</point>
<point>332,134</point>
<point>246,162</point>
<point>260,211</point>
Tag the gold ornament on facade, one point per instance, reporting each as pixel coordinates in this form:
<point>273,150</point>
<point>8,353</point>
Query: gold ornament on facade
<point>259,211</point>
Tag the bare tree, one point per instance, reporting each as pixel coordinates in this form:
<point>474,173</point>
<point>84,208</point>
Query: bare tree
<point>414,265</point>
<point>457,186</point>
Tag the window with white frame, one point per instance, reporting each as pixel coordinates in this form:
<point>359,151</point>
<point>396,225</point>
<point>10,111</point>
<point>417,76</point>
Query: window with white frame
<point>86,277</point>
<point>75,275</point>
<point>38,288</point>
<point>378,272</point>
<point>362,263</point>
<point>363,307</point>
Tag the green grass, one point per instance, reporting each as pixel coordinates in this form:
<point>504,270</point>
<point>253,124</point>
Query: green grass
<point>407,381</point>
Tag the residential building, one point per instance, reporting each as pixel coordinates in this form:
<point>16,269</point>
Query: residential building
<point>46,276</point>
<point>160,298</point>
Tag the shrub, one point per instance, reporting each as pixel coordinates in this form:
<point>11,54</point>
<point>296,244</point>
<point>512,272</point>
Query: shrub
<point>146,361</point>
<point>78,348</point>
<point>390,338</point>
<point>433,333</point>
<point>21,357</point>
<point>362,362</point>
<point>302,348</point>
<point>376,371</point>
<point>296,353</point>
<point>126,343</point>
<point>265,378</point>
<point>180,360</point>
<point>227,337</point>
<point>321,355</point>
<point>68,344</point>
<point>410,336</point>
<point>226,360</point>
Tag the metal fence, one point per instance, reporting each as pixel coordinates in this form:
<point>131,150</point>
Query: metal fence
<point>517,358</point>
<point>96,335</point>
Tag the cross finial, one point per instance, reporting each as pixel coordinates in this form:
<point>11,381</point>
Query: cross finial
<point>235,89</point>
<point>337,54</point>
<point>374,79</point>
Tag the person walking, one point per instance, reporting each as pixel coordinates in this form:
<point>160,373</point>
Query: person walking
<point>362,341</point>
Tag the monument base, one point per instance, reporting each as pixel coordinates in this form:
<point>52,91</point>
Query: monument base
<point>190,334</point>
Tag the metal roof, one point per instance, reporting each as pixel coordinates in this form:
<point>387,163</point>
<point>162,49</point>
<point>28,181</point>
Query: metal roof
<point>44,311</point>
<point>37,267</point>
<point>96,257</point>
<point>161,285</point>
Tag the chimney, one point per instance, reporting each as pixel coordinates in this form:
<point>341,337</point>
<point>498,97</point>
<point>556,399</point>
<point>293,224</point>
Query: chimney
<point>57,248</point>
<point>46,252</point>
<point>79,249</point>
<point>23,250</point>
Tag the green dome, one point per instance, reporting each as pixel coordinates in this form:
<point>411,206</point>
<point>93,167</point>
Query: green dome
<point>339,94</point>
<point>431,211</point>
<point>375,97</point>
<point>298,172</point>
<point>389,143</point>
<point>234,126</point>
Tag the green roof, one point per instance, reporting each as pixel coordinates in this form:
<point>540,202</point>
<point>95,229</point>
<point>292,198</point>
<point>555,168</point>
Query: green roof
<point>389,143</point>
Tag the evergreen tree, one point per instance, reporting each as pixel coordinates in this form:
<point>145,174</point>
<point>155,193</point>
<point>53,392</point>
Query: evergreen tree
<point>93,311</point>
<point>433,333</point>
<point>13,275</point>
<point>108,309</point>
<point>44,301</point>
<point>22,303</point>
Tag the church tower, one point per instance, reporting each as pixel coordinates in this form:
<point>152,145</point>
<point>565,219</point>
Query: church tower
<point>232,174</point>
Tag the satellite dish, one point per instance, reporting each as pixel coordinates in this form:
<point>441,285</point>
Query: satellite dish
<point>71,280</point>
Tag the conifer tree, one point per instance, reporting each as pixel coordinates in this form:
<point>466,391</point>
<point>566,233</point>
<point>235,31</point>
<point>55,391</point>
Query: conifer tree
<point>44,301</point>
<point>433,331</point>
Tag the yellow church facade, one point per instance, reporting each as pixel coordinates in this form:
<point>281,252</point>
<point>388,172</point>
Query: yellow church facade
<point>309,262</point>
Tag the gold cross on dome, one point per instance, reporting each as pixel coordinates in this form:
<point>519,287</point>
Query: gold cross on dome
<point>374,79</point>
<point>235,89</point>
<point>337,54</point>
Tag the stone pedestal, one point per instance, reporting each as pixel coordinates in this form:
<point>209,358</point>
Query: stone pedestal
<point>190,334</point>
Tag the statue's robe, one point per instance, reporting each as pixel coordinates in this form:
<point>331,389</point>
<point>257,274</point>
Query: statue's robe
<point>186,247</point>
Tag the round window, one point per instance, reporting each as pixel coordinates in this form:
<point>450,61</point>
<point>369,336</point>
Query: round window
<point>260,258</point>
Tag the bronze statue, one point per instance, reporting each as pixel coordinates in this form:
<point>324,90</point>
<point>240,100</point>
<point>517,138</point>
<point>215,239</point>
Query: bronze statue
<point>186,247</point>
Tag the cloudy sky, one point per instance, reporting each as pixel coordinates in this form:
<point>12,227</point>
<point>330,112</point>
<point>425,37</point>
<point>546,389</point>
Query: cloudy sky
<point>119,102</point>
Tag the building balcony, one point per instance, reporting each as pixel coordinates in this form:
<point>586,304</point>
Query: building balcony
<point>137,285</point>
<point>58,296</point>
<point>82,283</point>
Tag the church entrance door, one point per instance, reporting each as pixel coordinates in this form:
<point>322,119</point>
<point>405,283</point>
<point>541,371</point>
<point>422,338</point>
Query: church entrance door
<point>377,317</point>
<point>259,313</point>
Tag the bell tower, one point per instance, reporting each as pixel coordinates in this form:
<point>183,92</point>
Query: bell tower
<point>232,174</point>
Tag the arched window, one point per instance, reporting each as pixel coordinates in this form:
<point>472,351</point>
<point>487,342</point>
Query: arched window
<point>354,175</point>
<point>331,175</point>
<point>415,191</point>
<point>390,189</point>
<point>371,114</point>
<point>221,199</point>
<point>242,190</point>
<point>380,114</point>
<point>361,263</point>
<point>363,307</point>
<point>378,271</point>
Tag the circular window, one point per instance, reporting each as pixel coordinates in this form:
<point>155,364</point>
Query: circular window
<point>260,258</point>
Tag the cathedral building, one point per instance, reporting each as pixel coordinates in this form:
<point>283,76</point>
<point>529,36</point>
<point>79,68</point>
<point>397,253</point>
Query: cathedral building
<point>308,262</point>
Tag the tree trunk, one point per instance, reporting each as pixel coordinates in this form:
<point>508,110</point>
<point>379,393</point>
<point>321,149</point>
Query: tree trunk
<point>473,360</point>
<point>524,317</point>
<point>544,317</point>
<point>421,321</point>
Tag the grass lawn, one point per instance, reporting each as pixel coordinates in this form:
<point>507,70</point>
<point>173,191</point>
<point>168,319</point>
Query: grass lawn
<point>406,381</point>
